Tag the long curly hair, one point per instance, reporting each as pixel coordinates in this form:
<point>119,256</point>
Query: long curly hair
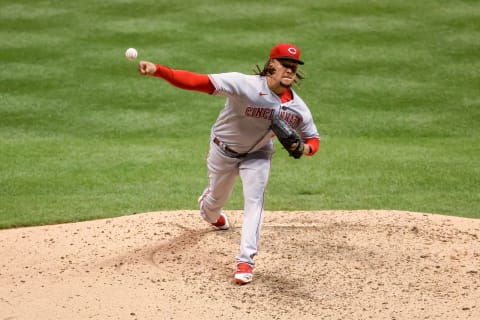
<point>268,69</point>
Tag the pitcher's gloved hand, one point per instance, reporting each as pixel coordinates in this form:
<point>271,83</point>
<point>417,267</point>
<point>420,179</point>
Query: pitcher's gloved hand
<point>287,136</point>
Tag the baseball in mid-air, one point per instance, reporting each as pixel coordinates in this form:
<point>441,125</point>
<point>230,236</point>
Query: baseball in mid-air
<point>131,53</point>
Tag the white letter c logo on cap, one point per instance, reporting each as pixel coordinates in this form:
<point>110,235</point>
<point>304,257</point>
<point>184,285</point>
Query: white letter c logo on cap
<point>292,50</point>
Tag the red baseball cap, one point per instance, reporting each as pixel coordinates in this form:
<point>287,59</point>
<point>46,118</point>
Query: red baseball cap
<point>286,51</point>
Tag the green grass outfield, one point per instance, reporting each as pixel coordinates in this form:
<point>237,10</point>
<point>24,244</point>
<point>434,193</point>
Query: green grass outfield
<point>393,86</point>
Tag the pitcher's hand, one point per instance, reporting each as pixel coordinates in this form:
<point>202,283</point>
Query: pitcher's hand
<point>146,68</point>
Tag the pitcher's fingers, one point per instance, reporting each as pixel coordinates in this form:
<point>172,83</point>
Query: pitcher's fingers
<point>142,67</point>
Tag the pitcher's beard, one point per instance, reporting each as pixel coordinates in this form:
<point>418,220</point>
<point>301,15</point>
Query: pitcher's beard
<point>285,85</point>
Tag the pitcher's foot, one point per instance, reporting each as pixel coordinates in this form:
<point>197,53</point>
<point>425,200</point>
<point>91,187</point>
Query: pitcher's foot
<point>244,273</point>
<point>222,222</point>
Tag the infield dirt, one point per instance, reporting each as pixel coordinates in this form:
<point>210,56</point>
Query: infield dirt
<point>311,265</point>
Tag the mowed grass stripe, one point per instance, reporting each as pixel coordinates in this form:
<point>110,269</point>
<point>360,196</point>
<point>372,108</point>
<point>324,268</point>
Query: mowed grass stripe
<point>393,88</point>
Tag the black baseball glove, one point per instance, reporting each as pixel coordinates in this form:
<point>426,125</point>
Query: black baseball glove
<point>287,136</point>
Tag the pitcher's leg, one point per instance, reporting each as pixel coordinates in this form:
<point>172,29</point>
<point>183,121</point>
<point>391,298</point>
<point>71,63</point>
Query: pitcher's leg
<point>222,172</point>
<point>254,174</point>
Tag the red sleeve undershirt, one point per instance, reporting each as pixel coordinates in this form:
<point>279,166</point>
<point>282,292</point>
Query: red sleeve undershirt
<point>314,144</point>
<point>201,82</point>
<point>185,79</point>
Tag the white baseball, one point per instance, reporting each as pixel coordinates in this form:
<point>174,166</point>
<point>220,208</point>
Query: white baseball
<point>131,53</point>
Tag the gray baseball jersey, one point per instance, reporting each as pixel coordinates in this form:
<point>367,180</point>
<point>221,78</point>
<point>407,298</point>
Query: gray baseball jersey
<point>244,123</point>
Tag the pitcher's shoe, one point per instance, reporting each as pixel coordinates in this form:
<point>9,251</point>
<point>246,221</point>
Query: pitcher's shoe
<point>244,273</point>
<point>222,222</point>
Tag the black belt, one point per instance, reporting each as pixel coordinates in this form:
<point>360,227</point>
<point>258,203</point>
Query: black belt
<point>230,152</point>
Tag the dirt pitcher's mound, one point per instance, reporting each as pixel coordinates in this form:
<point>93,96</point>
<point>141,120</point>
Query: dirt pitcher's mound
<point>311,265</point>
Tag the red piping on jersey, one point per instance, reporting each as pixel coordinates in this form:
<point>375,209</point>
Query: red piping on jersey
<point>185,79</point>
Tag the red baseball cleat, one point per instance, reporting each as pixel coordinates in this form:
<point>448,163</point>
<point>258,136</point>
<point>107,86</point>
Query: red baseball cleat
<point>222,222</point>
<point>244,273</point>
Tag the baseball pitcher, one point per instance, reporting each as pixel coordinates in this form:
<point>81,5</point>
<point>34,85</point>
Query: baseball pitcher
<point>257,109</point>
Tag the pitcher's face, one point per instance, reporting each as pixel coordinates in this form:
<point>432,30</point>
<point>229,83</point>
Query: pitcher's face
<point>285,72</point>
